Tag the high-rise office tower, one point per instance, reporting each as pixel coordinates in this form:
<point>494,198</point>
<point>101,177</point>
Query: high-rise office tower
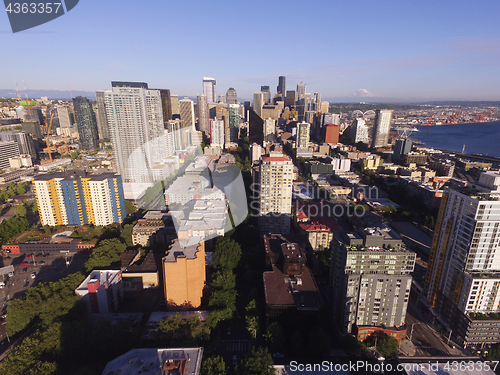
<point>186,108</point>
<point>371,282</point>
<point>166,104</point>
<point>290,98</point>
<point>401,148</point>
<point>135,117</point>
<point>275,197</point>
<point>86,123</point>
<point>77,198</point>
<point>317,101</point>
<point>301,90</point>
<point>232,120</point>
<point>102,121</point>
<point>463,271</point>
<point>381,128</point>
<point>281,86</point>
<point>221,98</point>
<point>231,96</point>
<point>217,130</point>
<point>267,94</point>
<point>258,102</point>
<point>209,89</point>
<point>175,106</point>
<point>303,134</point>
<point>203,115</point>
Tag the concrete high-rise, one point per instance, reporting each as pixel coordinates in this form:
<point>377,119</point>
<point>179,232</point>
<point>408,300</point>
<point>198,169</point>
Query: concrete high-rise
<point>267,94</point>
<point>8,149</point>
<point>371,282</point>
<point>269,130</point>
<point>24,142</point>
<point>203,115</point>
<point>86,123</point>
<point>275,193</point>
<point>231,96</point>
<point>232,122</point>
<point>137,128</point>
<point>303,134</point>
<point>209,89</point>
<point>77,198</point>
<point>381,128</point>
<point>102,121</point>
<point>359,131</point>
<point>258,102</point>
<point>463,271</point>
<point>281,89</point>
<point>217,130</point>
<point>186,108</point>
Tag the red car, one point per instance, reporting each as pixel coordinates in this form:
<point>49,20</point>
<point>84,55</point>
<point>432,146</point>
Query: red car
<point>24,263</point>
<point>38,255</point>
<point>29,256</point>
<point>25,270</point>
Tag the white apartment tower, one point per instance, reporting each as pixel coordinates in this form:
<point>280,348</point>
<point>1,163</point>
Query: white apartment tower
<point>275,198</point>
<point>217,136</point>
<point>303,134</point>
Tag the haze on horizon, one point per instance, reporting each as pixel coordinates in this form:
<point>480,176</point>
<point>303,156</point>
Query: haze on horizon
<point>411,51</point>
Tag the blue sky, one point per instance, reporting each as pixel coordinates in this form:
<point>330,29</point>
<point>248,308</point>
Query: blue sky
<point>406,50</point>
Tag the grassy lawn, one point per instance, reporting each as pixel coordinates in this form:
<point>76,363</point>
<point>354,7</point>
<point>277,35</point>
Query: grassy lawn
<point>88,236</point>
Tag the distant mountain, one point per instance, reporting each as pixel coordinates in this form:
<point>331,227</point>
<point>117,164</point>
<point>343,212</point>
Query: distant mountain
<point>363,93</point>
<point>51,94</point>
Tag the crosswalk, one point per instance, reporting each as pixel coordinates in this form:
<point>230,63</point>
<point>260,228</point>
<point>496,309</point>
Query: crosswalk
<point>234,346</point>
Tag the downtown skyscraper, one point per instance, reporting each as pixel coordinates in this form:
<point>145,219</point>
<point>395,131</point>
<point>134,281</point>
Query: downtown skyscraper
<point>86,123</point>
<point>203,115</point>
<point>135,118</point>
<point>209,89</point>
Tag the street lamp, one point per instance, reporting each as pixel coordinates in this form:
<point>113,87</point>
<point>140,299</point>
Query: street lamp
<point>449,336</point>
<point>412,327</point>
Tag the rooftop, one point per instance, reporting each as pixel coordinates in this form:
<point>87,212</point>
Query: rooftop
<point>176,251</point>
<point>152,361</point>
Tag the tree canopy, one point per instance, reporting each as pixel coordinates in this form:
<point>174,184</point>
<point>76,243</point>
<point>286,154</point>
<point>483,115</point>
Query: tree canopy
<point>106,253</point>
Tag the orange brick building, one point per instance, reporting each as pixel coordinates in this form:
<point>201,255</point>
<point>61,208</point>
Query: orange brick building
<point>184,275</point>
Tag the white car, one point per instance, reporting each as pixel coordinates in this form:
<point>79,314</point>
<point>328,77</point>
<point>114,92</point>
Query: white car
<point>33,275</point>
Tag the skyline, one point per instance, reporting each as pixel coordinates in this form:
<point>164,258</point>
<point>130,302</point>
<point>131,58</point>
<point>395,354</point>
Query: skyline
<point>422,51</point>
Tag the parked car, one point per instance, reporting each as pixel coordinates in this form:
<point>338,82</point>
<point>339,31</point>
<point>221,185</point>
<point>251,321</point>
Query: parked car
<point>33,275</point>
<point>25,270</point>
<point>41,263</point>
<point>24,263</point>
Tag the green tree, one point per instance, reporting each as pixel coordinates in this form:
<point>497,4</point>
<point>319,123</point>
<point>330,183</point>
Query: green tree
<point>387,346</point>
<point>74,155</point>
<point>129,207</point>
<point>106,253</point>
<point>257,362</point>
<point>227,254</point>
<point>224,280</point>
<point>178,332</point>
<point>223,299</point>
<point>213,366</point>
<point>252,318</point>
<point>275,337</point>
<point>217,316</point>
<point>34,206</point>
<point>126,234</point>
<point>21,209</point>
<point>20,189</point>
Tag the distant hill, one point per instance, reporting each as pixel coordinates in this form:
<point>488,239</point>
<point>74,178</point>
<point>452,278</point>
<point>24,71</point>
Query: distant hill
<point>51,94</point>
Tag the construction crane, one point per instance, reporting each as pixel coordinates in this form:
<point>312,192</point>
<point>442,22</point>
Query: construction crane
<point>47,138</point>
